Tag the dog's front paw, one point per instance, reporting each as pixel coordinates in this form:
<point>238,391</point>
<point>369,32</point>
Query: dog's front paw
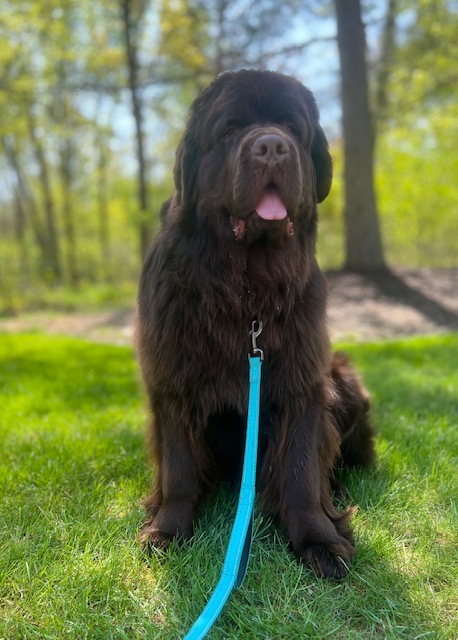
<point>327,561</point>
<point>151,539</point>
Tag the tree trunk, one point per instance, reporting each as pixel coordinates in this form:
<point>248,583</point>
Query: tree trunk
<point>66,175</point>
<point>384,65</point>
<point>131,35</point>
<point>52,240</point>
<point>362,232</point>
<point>29,206</point>
<point>102,207</point>
<point>20,231</point>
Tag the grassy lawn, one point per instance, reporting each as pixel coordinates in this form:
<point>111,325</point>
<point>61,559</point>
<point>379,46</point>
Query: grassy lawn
<point>73,471</point>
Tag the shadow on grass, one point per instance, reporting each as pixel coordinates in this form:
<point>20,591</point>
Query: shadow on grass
<point>280,598</point>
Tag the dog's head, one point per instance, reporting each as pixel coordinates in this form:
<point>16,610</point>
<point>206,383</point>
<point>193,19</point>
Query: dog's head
<point>253,158</point>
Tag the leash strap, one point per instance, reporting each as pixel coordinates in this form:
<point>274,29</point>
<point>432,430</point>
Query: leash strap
<point>238,551</point>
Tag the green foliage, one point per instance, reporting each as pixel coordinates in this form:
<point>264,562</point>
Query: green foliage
<point>416,160</point>
<point>424,70</point>
<point>417,194</point>
<point>418,191</point>
<point>330,246</point>
<point>88,298</point>
<point>66,140</point>
<point>73,471</point>
<point>184,21</point>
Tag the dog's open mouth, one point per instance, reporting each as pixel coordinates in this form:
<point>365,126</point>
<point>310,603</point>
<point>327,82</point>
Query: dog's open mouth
<point>270,218</point>
<point>271,206</point>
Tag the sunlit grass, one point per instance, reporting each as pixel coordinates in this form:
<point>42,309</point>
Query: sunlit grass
<point>73,471</point>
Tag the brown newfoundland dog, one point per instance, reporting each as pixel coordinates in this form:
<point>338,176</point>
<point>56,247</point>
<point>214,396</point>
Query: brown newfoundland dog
<point>237,244</point>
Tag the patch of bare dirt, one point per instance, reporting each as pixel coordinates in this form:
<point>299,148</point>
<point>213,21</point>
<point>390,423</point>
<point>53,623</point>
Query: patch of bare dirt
<point>401,302</point>
<point>115,326</point>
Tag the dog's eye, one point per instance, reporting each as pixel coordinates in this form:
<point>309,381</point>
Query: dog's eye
<point>228,132</point>
<point>291,128</point>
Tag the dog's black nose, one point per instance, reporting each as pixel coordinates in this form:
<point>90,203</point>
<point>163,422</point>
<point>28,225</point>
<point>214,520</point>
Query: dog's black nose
<point>270,148</point>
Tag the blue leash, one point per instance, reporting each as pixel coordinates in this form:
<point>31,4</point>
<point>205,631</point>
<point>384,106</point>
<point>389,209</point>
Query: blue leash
<point>238,551</point>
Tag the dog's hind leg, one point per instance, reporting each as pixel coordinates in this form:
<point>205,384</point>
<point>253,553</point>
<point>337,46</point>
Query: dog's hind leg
<point>350,405</point>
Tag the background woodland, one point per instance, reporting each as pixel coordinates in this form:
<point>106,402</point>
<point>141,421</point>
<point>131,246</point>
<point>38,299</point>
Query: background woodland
<point>93,98</point>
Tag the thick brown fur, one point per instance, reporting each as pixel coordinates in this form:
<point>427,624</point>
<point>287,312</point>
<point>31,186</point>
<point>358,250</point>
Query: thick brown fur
<point>215,266</point>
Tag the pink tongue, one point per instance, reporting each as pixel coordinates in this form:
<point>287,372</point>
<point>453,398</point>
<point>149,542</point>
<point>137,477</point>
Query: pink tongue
<point>271,207</point>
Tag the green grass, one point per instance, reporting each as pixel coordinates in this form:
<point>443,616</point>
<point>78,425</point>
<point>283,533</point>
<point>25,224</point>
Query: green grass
<point>73,471</point>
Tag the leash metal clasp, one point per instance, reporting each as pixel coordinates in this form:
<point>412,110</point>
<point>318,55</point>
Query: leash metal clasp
<point>256,330</point>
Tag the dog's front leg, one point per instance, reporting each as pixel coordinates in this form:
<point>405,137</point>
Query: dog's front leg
<point>296,473</point>
<point>181,457</point>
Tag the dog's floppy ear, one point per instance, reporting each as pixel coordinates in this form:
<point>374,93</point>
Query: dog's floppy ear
<point>323,163</point>
<point>185,169</point>
<point>321,157</point>
<point>190,148</point>
<point>189,151</point>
